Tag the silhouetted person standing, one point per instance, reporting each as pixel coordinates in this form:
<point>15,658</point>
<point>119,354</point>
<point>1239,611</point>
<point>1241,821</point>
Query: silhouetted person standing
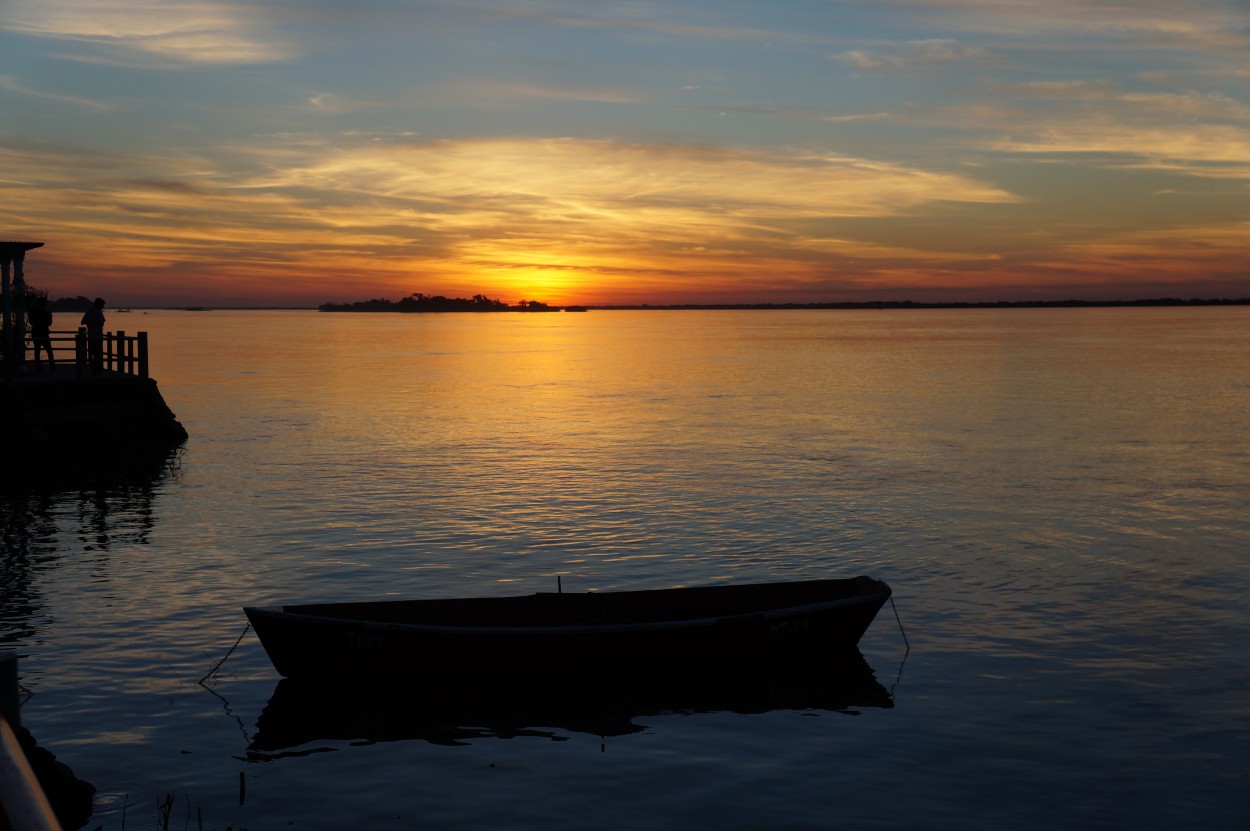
<point>41,331</point>
<point>93,319</point>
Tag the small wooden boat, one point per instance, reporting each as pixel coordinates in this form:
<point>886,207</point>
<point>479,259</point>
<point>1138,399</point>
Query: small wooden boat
<point>554,631</point>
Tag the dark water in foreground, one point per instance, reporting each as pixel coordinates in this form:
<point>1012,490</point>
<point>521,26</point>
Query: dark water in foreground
<point>1058,497</point>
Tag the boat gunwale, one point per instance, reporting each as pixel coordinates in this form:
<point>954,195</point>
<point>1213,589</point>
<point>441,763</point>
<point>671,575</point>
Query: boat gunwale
<point>279,612</point>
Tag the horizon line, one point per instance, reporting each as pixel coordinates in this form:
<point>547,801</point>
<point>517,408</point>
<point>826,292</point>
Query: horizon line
<point>797,305</point>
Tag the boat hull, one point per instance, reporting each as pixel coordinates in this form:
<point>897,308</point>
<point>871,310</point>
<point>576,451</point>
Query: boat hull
<point>556,631</point>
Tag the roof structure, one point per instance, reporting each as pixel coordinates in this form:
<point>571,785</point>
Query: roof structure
<point>10,248</point>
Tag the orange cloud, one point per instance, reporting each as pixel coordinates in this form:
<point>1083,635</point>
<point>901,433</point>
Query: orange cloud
<point>553,219</point>
<point>568,220</point>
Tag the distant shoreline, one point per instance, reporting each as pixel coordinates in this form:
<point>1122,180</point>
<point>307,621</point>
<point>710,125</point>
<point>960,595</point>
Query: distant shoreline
<point>909,304</point>
<point>68,305</point>
<point>385,306</point>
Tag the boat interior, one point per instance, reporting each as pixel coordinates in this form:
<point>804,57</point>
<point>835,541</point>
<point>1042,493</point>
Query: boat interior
<point>560,609</point>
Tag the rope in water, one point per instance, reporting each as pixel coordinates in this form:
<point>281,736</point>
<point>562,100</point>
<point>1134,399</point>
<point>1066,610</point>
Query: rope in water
<point>900,624</point>
<point>217,666</point>
<point>906,652</point>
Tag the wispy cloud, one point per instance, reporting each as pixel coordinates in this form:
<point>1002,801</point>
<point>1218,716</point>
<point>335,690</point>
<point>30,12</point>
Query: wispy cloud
<point>8,82</point>
<point>204,32</point>
<point>1201,150</point>
<point>924,54</point>
<point>512,91</point>
<point>1135,103</point>
<point>1202,133</point>
<point>1160,21</point>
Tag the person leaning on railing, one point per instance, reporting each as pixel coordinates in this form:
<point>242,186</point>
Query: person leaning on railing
<point>93,319</point>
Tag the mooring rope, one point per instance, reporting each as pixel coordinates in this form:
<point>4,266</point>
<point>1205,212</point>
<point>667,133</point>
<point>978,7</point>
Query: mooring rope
<point>906,642</point>
<point>217,666</point>
<point>906,651</point>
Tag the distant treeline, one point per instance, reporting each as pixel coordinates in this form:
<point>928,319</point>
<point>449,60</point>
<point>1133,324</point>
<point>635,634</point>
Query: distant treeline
<point>480,303</point>
<point>419,302</point>
<point>69,304</point>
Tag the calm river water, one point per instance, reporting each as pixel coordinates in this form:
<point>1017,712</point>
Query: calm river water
<point>1059,498</point>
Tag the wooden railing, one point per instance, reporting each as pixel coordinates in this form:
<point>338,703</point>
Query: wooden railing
<point>63,349</point>
<point>119,352</point>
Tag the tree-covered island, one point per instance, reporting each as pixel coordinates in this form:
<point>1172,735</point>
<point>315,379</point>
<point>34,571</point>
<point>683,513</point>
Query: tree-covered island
<point>418,302</point>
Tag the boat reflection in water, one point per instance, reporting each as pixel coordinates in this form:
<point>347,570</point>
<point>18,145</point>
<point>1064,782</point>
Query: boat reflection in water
<point>304,712</point>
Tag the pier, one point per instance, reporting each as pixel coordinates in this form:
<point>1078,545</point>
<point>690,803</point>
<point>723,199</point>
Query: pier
<point>77,415</point>
<point>70,425</point>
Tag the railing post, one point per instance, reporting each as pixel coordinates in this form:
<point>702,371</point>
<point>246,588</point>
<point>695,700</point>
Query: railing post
<point>143,354</point>
<point>119,348</point>
<point>80,351</point>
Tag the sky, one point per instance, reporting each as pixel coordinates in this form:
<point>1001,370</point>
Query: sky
<point>296,152</point>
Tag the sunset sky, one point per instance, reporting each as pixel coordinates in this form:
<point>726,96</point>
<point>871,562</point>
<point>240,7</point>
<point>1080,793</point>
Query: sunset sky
<point>293,152</point>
